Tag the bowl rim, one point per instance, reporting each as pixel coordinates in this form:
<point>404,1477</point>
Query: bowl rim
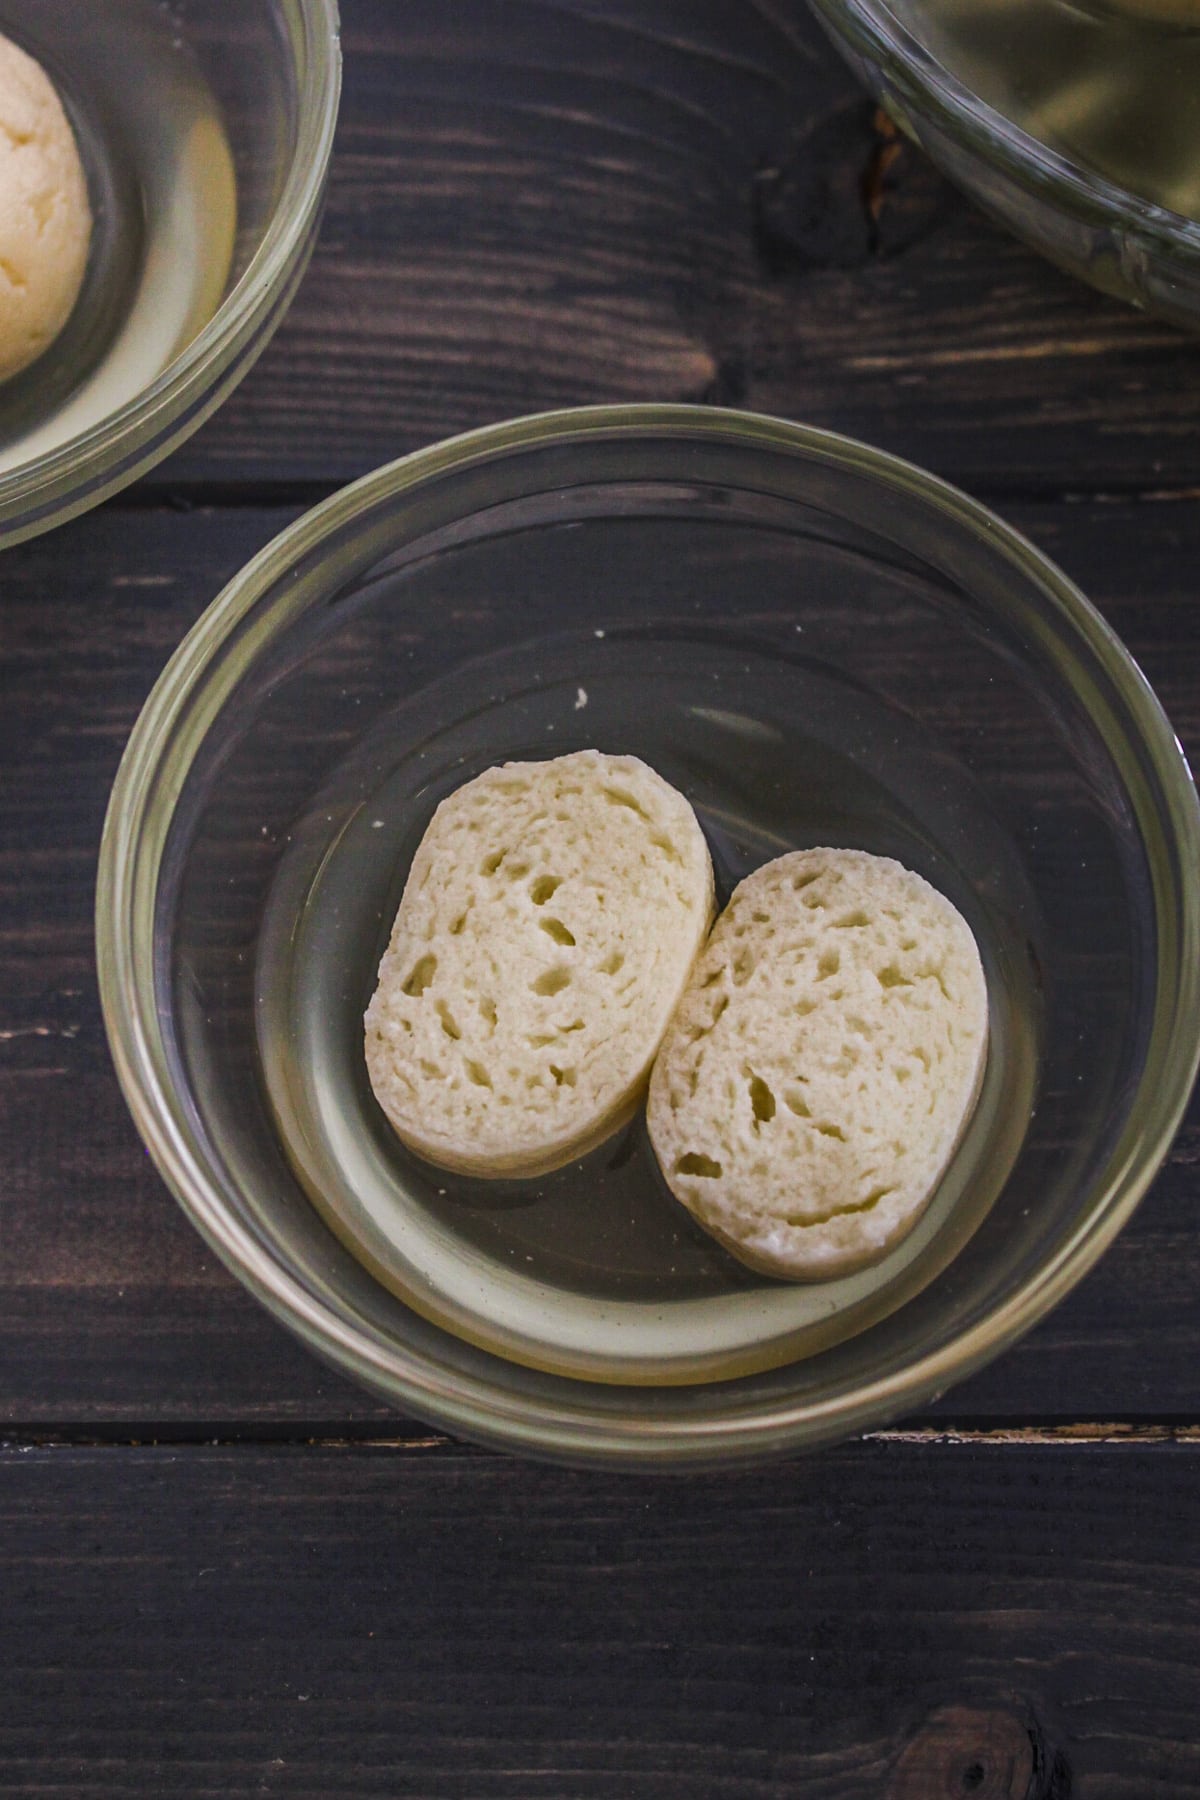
<point>874,31</point>
<point>59,483</point>
<point>135,831</point>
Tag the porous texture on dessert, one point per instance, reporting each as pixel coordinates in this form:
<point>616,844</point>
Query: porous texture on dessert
<point>823,1063</point>
<point>546,933</point>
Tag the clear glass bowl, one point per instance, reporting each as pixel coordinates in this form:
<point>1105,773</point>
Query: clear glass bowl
<point>1113,89</point>
<point>205,131</point>
<point>818,644</point>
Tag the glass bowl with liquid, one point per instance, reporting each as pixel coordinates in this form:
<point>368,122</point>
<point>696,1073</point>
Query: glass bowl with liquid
<point>1074,122</point>
<point>205,131</point>
<point>818,645</point>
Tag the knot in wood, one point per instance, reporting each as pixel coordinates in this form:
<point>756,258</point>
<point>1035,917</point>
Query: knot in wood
<point>966,1753</point>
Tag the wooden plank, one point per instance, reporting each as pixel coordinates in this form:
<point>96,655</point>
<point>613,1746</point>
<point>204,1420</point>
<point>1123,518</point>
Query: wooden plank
<point>880,1623</point>
<point>111,1311</point>
<point>556,202</point>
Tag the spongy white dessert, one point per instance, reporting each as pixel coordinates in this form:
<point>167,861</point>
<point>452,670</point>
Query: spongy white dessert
<point>545,936</point>
<point>823,1064</point>
<point>45,219</point>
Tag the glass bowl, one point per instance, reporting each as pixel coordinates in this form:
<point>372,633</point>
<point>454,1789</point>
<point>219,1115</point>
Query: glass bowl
<point>818,644</point>
<point>205,133</point>
<point>1074,122</point>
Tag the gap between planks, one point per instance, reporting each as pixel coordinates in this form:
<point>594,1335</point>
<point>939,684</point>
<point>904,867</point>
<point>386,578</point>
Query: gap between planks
<point>1073,1434</point>
<point>197,496</point>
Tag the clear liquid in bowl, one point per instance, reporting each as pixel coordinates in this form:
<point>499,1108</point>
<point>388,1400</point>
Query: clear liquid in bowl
<point>595,1271</point>
<point>1112,85</point>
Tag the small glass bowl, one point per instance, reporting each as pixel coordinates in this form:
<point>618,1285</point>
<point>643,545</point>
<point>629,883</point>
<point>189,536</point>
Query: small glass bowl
<point>819,644</point>
<point>205,133</point>
<point>1086,224</point>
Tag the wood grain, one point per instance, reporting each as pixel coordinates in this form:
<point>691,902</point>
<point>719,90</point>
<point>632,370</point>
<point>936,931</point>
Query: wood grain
<point>555,202</point>
<point>112,1313</point>
<point>532,204</point>
<point>871,1624</point>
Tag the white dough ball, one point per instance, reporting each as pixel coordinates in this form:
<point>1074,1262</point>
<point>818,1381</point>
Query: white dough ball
<point>45,219</point>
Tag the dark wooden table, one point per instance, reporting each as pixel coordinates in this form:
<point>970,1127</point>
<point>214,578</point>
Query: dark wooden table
<point>224,1571</point>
